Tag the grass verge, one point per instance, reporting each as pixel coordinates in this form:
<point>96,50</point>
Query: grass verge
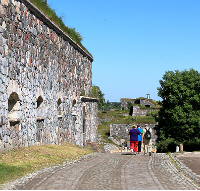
<point>17,163</point>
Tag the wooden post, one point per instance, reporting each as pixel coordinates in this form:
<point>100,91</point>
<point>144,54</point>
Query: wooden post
<point>181,147</point>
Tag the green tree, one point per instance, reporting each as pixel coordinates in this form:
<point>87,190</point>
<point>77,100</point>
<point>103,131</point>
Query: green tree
<point>107,106</point>
<point>179,115</point>
<point>116,105</point>
<point>96,92</point>
<point>102,104</point>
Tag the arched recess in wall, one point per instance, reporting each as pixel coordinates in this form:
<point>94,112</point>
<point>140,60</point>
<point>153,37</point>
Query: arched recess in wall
<point>74,105</point>
<point>40,115</point>
<point>14,108</point>
<point>59,105</point>
<point>40,104</point>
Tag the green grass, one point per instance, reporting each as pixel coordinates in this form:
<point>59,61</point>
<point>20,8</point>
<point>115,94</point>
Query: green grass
<point>17,163</point>
<point>147,108</point>
<point>8,170</point>
<point>120,117</point>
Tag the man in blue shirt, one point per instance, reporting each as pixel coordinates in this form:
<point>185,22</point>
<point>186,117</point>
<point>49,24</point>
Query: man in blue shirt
<point>139,138</point>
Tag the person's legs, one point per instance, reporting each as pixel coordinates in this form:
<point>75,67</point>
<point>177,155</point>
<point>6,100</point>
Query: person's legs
<point>149,148</point>
<point>135,146</point>
<point>144,149</point>
<point>131,145</point>
<point>139,146</point>
<point>146,143</point>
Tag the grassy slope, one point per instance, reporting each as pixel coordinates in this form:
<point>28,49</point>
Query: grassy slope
<point>17,163</point>
<point>120,117</point>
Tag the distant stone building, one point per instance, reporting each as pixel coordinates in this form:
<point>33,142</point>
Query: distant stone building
<point>143,101</point>
<point>43,75</point>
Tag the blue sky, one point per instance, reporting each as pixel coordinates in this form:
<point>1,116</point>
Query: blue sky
<point>133,42</point>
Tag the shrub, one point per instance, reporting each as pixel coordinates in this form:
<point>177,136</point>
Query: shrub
<point>153,113</point>
<point>168,145</point>
<point>192,145</point>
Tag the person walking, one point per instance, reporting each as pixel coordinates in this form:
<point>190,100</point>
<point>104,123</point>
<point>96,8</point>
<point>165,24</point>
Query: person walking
<point>147,139</point>
<point>134,138</point>
<point>139,138</point>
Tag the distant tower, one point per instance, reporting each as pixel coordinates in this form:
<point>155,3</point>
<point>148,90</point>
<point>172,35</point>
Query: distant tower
<point>148,96</point>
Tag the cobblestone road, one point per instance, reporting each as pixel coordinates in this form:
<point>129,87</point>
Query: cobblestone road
<point>118,171</point>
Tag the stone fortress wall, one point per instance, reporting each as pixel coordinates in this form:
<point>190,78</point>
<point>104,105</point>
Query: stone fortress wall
<point>140,112</point>
<point>43,74</point>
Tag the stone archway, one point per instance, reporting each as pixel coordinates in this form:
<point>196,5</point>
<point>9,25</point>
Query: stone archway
<point>14,113</point>
<point>40,116</point>
<point>59,105</point>
<point>14,108</point>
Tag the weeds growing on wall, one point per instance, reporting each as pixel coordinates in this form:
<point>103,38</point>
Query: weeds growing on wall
<point>51,14</point>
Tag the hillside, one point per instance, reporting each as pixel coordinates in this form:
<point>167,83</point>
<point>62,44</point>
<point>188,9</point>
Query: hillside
<point>118,117</point>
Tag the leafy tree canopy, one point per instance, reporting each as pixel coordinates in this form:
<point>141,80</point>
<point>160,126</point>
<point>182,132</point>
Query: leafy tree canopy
<point>97,93</point>
<point>179,115</point>
<point>102,104</point>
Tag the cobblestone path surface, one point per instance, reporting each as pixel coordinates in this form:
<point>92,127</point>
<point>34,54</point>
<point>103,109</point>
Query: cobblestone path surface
<point>118,171</point>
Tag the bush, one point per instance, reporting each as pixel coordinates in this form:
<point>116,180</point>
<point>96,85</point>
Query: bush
<point>168,145</point>
<point>192,145</point>
<point>153,113</point>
